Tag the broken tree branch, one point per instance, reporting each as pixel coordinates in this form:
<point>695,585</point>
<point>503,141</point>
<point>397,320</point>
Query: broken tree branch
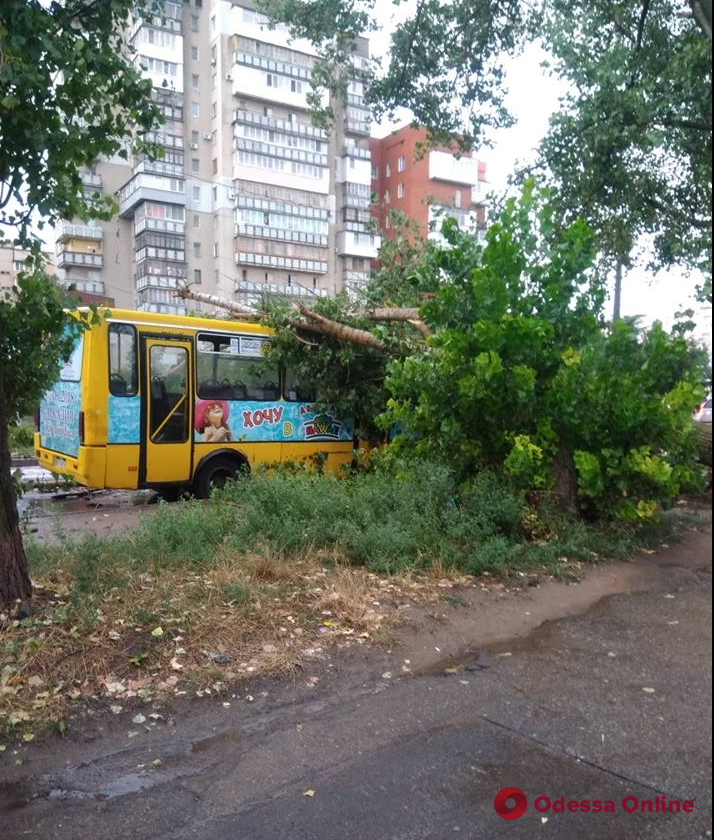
<point>235,308</point>
<point>342,331</point>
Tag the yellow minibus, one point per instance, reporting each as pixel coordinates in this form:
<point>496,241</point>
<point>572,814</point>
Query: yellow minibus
<point>174,403</point>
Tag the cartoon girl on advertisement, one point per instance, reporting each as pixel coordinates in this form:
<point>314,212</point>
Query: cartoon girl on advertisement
<point>211,421</point>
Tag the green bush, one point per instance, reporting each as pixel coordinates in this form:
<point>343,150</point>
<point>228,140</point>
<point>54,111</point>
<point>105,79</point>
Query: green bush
<point>21,438</point>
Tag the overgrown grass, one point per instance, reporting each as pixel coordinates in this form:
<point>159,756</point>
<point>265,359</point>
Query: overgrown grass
<point>269,568</point>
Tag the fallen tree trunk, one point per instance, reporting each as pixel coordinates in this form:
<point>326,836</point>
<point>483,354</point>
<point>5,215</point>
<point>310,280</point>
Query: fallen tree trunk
<point>342,331</point>
<point>236,309</point>
<point>319,323</point>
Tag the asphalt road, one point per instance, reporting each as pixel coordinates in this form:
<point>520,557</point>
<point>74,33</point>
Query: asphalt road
<point>612,704</point>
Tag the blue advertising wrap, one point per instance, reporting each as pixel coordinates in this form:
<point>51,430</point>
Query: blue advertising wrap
<point>255,421</point>
<point>59,418</point>
<point>124,424</point>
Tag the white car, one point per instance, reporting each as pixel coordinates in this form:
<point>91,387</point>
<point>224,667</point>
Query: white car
<point>703,414</point>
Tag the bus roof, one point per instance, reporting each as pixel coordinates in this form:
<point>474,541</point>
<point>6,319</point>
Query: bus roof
<point>184,322</point>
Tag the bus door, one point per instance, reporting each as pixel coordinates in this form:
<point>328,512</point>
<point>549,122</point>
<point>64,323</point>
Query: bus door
<point>166,440</point>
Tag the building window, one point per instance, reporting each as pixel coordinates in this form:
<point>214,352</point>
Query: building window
<point>401,163</point>
<point>195,137</point>
<point>388,170</point>
<point>387,197</point>
<point>196,221</point>
<point>375,173</point>
<point>214,166</point>
<point>215,249</point>
<point>197,275</point>
<point>214,109</point>
<point>400,190</point>
<point>194,53</point>
<point>295,86</point>
<point>195,109</point>
<point>197,249</point>
<point>195,81</point>
<point>194,23</point>
<point>269,80</point>
<point>267,111</point>
<point>195,165</point>
<point>196,193</point>
<point>457,199</point>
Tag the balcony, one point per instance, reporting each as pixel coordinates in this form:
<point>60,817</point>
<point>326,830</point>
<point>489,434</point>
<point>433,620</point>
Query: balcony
<point>91,179</point>
<point>280,234</point>
<point>356,279</point>
<point>357,152</point>
<point>147,187</point>
<point>161,225</point>
<point>289,263</point>
<point>354,171</point>
<point>356,126</point>
<point>164,308</point>
<point>288,126</point>
<point>443,166</point>
<point>288,290</point>
<point>68,231</point>
<point>478,193</point>
<point>157,281</point>
<point>159,167</point>
<point>70,258</point>
<point>351,244</point>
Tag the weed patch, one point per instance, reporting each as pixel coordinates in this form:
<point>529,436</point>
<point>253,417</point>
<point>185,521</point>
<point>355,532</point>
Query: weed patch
<point>264,575</point>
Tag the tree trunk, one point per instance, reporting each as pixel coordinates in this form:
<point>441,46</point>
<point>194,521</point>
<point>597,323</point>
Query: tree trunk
<point>565,480</point>
<point>14,578</point>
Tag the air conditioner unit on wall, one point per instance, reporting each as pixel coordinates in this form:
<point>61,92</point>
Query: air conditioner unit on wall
<point>194,145</point>
<point>229,77</point>
<point>206,136</point>
<point>231,196</point>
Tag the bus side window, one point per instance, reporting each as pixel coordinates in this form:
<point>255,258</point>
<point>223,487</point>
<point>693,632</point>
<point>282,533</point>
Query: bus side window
<point>296,391</point>
<point>233,368</point>
<point>122,360</point>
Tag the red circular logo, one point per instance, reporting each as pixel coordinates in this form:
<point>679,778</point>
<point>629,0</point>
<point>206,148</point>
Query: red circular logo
<point>510,812</point>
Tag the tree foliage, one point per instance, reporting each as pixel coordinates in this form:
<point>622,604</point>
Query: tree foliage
<point>629,148</point>
<point>521,374</point>
<point>69,93</point>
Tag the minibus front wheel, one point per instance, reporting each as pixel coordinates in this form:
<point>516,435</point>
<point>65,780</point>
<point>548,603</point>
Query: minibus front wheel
<point>215,473</point>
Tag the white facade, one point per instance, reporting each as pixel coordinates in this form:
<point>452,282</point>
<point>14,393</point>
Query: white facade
<point>249,195</point>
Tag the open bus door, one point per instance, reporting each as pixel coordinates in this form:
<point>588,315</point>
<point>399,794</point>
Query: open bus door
<point>166,410</point>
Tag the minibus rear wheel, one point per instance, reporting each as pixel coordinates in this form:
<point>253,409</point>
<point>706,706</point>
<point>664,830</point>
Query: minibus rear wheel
<point>215,474</point>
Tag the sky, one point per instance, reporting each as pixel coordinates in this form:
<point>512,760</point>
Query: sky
<point>532,97</point>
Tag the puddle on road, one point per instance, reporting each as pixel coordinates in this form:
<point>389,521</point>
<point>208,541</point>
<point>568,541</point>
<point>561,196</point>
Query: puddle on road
<point>46,515</point>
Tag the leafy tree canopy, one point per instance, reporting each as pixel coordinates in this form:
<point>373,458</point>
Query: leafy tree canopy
<point>69,93</point>
<point>630,148</point>
<point>520,372</point>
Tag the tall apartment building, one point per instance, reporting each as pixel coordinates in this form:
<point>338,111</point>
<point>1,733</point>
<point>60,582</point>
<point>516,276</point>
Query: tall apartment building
<point>249,197</point>
<point>425,186</point>
<point>12,262</point>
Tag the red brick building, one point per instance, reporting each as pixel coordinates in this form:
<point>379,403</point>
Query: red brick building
<point>422,183</point>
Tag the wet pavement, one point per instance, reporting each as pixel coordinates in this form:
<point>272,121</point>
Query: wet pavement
<point>51,514</point>
<point>595,692</point>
